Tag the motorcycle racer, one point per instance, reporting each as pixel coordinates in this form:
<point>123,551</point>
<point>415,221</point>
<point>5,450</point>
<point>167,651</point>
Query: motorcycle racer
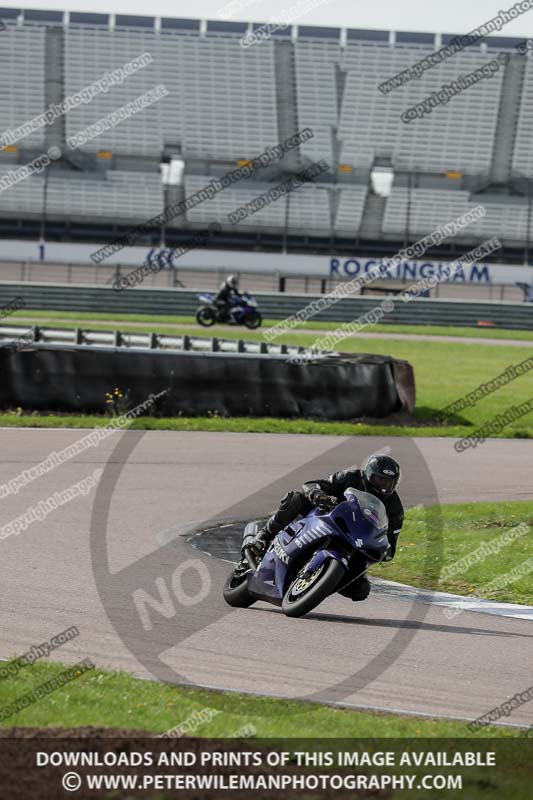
<point>229,288</point>
<point>379,476</point>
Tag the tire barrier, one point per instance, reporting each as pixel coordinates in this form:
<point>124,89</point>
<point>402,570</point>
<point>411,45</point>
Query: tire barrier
<point>68,297</point>
<point>48,377</point>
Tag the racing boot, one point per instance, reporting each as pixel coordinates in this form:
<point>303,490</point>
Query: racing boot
<point>264,537</point>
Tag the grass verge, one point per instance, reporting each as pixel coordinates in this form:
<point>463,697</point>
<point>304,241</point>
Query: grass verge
<point>118,700</point>
<point>436,541</point>
<point>157,322</point>
<point>444,371</point>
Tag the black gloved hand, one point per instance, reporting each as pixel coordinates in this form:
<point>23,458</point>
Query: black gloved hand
<point>393,541</point>
<point>322,500</point>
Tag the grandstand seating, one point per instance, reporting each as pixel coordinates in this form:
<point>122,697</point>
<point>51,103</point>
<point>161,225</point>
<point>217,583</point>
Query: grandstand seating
<point>23,198</point>
<point>309,207</point>
<point>459,135</point>
<point>317,95</point>
<point>228,200</point>
<point>221,101</point>
<point>123,195</point>
<point>350,209</point>
<point>224,105</point>
<point>430,208</point>
<point>22,85</point>
<point>523,150</point>
<point>89,54</point>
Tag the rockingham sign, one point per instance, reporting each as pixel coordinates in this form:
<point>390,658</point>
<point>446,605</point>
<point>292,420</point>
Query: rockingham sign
<point>416,270</point>
<point>326,266</point>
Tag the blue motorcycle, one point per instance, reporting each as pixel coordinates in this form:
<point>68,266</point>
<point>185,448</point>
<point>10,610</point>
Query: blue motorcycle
<point>243,311</point>
<point>312,558</point>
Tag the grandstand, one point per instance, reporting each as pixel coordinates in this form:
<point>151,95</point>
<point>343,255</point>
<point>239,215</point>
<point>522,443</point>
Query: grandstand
<point>227,103</point>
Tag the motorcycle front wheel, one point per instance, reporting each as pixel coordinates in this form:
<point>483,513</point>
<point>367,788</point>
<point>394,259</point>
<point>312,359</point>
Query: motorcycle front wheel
<point>307,590</point>
<point>206,317</point>
<point>253,320</point>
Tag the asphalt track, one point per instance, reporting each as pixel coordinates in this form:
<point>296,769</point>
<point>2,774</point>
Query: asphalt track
<point>388,652</point>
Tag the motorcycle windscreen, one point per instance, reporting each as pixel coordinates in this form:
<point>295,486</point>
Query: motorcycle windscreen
<point>371,507</point>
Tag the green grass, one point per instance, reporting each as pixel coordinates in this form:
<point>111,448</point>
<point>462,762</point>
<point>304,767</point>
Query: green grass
<point>157,322</point>
<point>118,700</point>
<point>444,371</point>
<point>15,419</point>
<point>434,540</point>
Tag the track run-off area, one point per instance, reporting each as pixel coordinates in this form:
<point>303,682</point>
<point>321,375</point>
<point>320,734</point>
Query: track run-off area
<point>94,561</point>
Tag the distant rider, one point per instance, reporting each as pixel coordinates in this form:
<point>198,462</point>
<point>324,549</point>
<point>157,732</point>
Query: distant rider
<point>228,290</point>
<point>379,476</point>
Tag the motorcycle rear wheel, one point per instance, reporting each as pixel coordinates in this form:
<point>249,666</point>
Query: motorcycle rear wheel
<point>236,592</point>
<point>205,317</point>
<point>306,592</point>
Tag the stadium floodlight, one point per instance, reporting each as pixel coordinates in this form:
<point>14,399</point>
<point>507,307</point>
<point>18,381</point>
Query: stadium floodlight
<point>172,171</point>
<point>382,179</point>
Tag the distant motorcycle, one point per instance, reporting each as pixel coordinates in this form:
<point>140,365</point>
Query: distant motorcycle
<point>243,311</point>
<point>312,558</point>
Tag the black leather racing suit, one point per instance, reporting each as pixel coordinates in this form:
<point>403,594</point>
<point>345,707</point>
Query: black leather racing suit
<point>295,504</point>
<point>223,298</point>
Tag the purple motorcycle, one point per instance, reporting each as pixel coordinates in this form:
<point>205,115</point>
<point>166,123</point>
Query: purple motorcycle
<point>312,558</point>
<point>243,311</point>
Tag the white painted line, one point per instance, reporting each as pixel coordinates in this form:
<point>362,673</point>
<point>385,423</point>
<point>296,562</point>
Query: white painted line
<point>455,601</point>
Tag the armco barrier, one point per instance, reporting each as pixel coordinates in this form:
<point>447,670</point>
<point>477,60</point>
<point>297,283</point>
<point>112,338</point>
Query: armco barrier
<point>76,378</point>
<point>68,297</point>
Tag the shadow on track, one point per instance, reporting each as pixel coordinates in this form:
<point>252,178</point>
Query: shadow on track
<point>396,624</point>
